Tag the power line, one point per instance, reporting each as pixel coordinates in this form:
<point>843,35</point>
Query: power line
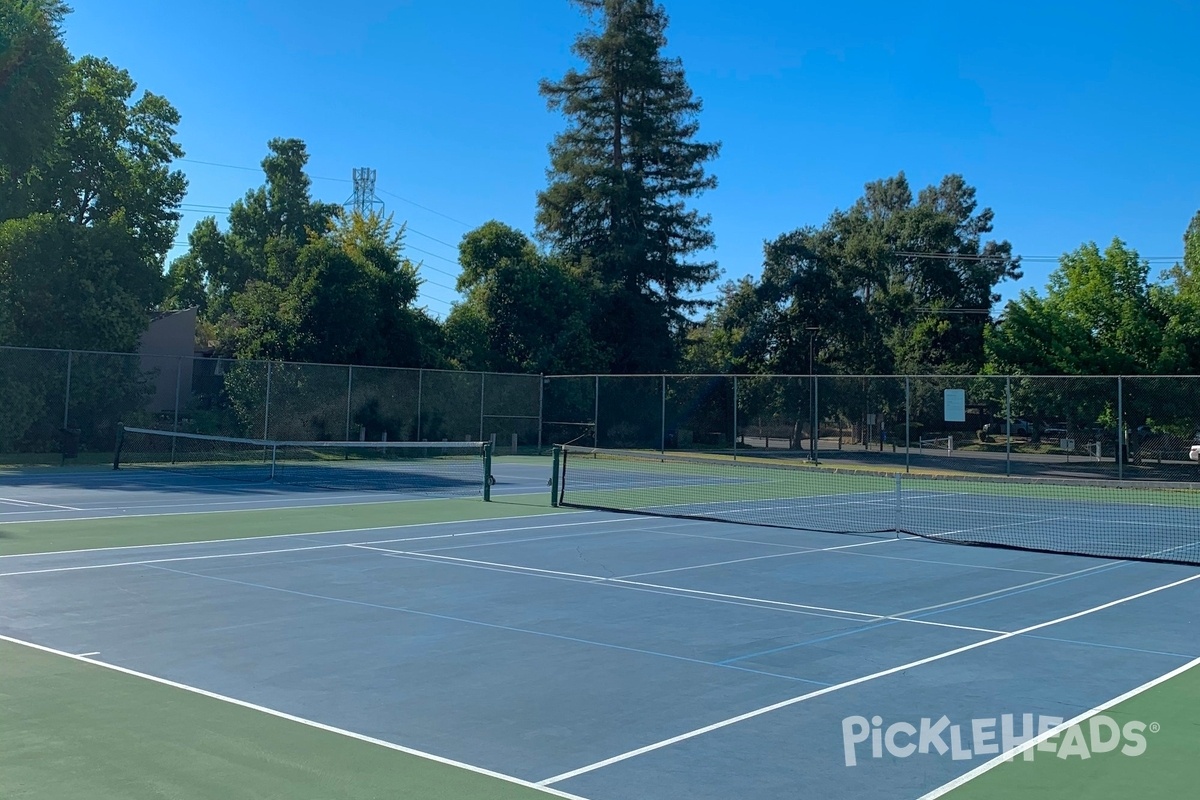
<point>425,208</point>
<point>256,169</point>
<point>427,236</point>
<point>986,257</point>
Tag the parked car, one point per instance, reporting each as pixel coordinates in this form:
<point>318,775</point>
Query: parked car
<point>1054,430</point>
<point>1020,427</point>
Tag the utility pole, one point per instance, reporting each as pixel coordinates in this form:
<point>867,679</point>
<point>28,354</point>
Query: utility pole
<point>812,392</point>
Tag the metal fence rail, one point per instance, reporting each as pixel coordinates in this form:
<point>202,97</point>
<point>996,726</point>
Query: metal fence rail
<point>57,400</point>
<point>1133,428</point>
<point>1124,427</point>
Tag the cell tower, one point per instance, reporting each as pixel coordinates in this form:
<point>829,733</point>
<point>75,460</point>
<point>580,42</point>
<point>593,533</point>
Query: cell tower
<point>364,200</point>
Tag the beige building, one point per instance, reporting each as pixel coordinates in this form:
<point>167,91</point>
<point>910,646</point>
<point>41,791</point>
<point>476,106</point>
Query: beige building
<point>167,349</point>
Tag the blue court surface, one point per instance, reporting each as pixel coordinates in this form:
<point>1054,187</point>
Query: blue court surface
<point>601,655</point>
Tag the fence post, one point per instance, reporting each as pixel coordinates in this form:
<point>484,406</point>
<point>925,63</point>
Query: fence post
<point>816,424</point>
<point>907,420</point>
<point>1008,425</point>
<point>482,381</point>
<point>420,391</point>
<point>67,394</point>
<point>267,416</point>
<point>349,396</point>
<point>541,405</point>
<point>596,416</point>
<point>1120,428</point>
<point>735,417</point>
<point>662,418</point>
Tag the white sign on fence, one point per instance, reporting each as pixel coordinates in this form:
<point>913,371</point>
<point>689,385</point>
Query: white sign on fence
<point>955,401</point>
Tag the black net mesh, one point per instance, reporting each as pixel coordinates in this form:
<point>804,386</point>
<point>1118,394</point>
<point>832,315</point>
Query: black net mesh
<point>402,467</point>
<point>1127,520</point>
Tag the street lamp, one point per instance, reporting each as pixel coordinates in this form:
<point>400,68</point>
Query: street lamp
<point>812,392</point>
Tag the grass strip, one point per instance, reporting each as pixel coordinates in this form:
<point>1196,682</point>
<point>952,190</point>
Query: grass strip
<point>69,729</point>
<point>42,537</point>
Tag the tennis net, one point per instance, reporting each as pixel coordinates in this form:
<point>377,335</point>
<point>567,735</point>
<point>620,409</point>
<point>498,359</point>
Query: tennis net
<point>1126,520</point>
<point>452,468</point>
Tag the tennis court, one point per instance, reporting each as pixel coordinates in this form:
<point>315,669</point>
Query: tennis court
<point>178,632</point>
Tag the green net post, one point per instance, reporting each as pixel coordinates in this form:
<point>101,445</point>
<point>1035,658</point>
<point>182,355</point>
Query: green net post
<point>120,440</point>
<point>487,472</point>
<point>554,476</point>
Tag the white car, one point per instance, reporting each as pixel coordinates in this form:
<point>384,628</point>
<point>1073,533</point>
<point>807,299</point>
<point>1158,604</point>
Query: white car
<point>1194,453</point>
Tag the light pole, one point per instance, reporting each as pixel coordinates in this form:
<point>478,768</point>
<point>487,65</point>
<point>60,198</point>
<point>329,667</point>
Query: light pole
<point>812,393</point>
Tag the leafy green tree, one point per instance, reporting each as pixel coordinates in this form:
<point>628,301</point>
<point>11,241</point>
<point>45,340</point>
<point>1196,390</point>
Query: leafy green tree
<point>892,284</point>
<point>726,340</point>
<point>523,311</point>
<point>82,260</point>
<point>113,156</point>
<point>34,64</point>
<point>620,178</point>
<point>63,285</point>
<point>1100,316</point>
<point>267,229</point>
<point>346,297</point>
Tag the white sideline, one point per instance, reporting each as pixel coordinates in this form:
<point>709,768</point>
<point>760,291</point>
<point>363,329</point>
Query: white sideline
<point>846,684</point>
<point>282,550</point>
<point>202,507</point>
<point>987,766</point>
<point>270,535</point>
<point>293,718</point>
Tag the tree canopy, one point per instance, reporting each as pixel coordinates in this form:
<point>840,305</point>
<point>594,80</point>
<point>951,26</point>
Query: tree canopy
<point>894,283</point>
<point>621,175</point>
<point>88,196</point>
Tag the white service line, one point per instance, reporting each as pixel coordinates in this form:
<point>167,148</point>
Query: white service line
<point>847,684</point>
<point>50,506</point>
<point>306,533</point>
<point>659,588</point>
<point>962,600</point>
<point>280,550</point>
<point>201,506</point>
<point>987,766</point>
<point>293,718</point>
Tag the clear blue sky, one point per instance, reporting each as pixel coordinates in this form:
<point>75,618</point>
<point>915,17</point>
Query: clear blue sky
<point>1076,121</point>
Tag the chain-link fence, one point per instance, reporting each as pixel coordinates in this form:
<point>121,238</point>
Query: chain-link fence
<point>1133,428</point>
<point>55,401</point>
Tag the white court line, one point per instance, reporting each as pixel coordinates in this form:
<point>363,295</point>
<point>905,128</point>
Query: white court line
<point>835,613</point>
<point>50,506</point>
<point>89,655</point>
<point>987,766</point>
<point>715,564</point>
<point>954,563</point>
<point>307,533</point>
<point>282,550</point>
<point>199,508</point>
<point>197,503</point>
<point>758,712</point>
<point>666,591</point>
<point>800,547</point>
<point>961,600</point>
<point>293,718</point>
<point>939,536</point>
